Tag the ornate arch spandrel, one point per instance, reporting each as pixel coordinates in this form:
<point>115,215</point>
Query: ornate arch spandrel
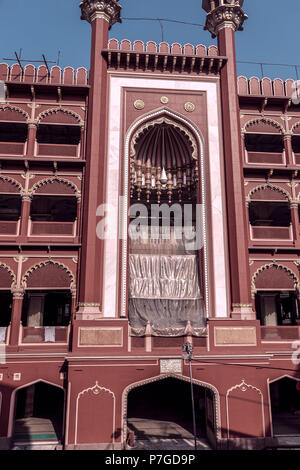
<point>52,179</point>
<point>288,271</point>
<point>10,272</point>
<point>270,186</point>
<point>15,109</point>
<point>50,111</point>
<point>43,264</point>
<point>264,120</point>
<point>13,182</point>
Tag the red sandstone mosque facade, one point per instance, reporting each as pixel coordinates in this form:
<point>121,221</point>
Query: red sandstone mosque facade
<point>92,327</point>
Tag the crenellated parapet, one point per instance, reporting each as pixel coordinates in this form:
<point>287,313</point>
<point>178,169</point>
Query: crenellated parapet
<point>266,87</point>
<point>41,75</point>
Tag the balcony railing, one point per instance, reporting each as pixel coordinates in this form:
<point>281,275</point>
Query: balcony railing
<point>12,148</point>
<point>280,333</point>
<point>58,150</point>
<point>271,233</point>
<point>265,158</point>
<point>59,229</point>
<point>10,227</point>
<point>44,334</point>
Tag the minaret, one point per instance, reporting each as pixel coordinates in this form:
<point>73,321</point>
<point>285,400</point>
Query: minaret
<point>101,15</point>
<point>224,18</point>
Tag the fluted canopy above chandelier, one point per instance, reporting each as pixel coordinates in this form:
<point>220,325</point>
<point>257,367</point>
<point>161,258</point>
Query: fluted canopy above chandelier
<point>163,160</point>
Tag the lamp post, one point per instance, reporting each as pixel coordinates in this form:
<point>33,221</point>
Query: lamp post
<point>188,349</point>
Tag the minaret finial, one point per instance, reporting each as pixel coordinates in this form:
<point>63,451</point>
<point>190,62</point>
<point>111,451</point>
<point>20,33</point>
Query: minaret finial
<point>223,14</point>
<point>108,10</point>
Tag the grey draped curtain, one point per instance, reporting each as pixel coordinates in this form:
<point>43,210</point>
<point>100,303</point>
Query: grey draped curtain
<point>164,288</point>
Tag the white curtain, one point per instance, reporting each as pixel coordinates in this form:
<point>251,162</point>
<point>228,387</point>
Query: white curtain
<point>164,288</point>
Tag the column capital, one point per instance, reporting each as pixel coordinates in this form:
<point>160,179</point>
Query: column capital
<point>109,10</point>
<point>17,293</point>
<point>229,15</point>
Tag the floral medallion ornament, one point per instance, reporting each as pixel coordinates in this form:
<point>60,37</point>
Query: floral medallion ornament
<point>139,104</point>
<point>189,107</point>
<point>164,100</point>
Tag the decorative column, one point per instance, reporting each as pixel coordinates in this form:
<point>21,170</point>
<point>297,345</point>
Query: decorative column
<point>16,315</point>
<point>295,220</point>
<point>224,18</point>
<point>288,149</point>
<point>25,214</point>
<point>31,138</point>
<point>101,15</point>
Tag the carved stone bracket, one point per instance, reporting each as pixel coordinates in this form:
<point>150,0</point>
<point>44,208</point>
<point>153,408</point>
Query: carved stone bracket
<point>225,16</point>
<point>109,10</point>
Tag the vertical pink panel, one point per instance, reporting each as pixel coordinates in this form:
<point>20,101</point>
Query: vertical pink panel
<point>55,74</point>
<point>189,49</point>
<point>4,72</point>
<point>125,45</point>
<point>16,73</point>
<point>254,86</point>
<point>245,401</point>
<point>164,47</point>
<point>69,76</point>
<point>95,416</point>
<point>29,73</point>
<point>266,86</point>
<point>201,50</point>
<point>81,76</point>
<point>113,44</point>
<point>243,86</point>
<point>278,87</point>
<point>176,48</point>
<point>213,51</point>
<point>138,46</point>
<point>42,74</point>
<point>151,46</point>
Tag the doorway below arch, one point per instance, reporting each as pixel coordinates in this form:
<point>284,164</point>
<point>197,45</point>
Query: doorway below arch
<point>159,415</point>
<point>39,410</point>
<point>285,405</point>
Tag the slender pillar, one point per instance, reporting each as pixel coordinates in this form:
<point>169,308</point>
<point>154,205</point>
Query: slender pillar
<point>16,315</point>
<point>101,15</point>
<point>223,21</point>
<point>25,214</point>
<point>31,139</point>
<point>287,139</point>
<point>295,220</point>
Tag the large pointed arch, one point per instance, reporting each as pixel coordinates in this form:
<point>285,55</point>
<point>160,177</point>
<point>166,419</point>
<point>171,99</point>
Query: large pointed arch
<point>196,135</point>
<point>212,388</point>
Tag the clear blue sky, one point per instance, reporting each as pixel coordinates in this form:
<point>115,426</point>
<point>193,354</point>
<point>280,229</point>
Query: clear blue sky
<point>272,33</point>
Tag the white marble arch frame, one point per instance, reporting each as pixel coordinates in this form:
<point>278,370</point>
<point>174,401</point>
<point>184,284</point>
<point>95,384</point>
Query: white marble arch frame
<point>124,210</point>
<point>208,386</point>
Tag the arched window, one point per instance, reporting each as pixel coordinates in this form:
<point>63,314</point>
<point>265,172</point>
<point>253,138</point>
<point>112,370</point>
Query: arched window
<point>13,131</point>
<point>47,302</point>
<point>10,207</point>
<point>263,142</point>
<point>276,300</point>
<point>53,209</point>
<point>269,214</point>
<point>59,134</point>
